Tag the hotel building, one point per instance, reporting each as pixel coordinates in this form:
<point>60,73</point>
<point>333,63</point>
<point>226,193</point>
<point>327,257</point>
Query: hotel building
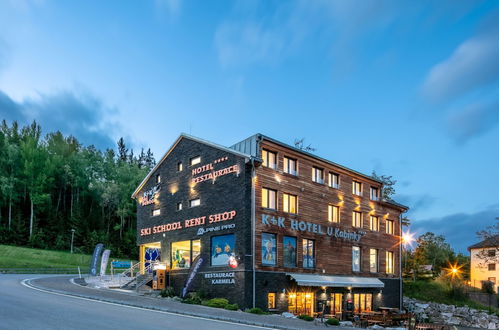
<point>265,224</point>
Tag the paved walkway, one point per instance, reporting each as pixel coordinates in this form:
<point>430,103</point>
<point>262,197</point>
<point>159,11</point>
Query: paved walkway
<point>62,284</point>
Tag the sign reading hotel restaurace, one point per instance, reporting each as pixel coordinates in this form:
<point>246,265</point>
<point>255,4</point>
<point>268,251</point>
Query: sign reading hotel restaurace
<point>198,177</point>
<point>310,227</point>
<point>194,222</point>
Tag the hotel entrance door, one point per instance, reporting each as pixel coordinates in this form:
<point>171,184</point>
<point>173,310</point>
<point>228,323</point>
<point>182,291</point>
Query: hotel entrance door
<point>301,303</point>
<point>336,304</point>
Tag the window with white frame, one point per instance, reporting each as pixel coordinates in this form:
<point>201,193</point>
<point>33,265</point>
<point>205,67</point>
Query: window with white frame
<point>289,203</point>
<point>317,175</point>
<point>269,198</point>
<point>389,227</point>
<point>357,188</point>
<point>374,193</point>
<point>374,223</point>
<point>290,166</point>
<point>269,159</point>
<point>156,212</point>
<point>195,160</point>
<point>333,213</point>
<point>356,219</point>
<point>334,180</point>
<point>194,202</point>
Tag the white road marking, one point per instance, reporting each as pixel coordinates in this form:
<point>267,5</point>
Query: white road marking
<point>26,283</point>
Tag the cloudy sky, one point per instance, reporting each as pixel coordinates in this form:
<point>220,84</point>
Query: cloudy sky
<point>406,88</point>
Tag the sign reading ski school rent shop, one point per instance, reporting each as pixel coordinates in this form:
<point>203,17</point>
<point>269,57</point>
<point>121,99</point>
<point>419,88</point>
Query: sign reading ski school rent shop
<point>199,173</point>
<point>194,222</point>
<point>314,228</point>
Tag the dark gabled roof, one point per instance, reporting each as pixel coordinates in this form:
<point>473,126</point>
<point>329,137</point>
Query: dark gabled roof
<point>193,138</point>
<point>492,241</point>
<point>250,146</point>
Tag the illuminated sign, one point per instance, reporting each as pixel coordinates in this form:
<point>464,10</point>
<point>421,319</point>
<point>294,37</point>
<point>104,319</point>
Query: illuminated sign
<point>202,231</point>
<point>199,175</point>
<point>149,195</point>
<point>194,222</point>
<point>314,228</point>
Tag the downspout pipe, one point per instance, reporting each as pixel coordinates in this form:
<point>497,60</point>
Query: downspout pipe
<point>253,229</point>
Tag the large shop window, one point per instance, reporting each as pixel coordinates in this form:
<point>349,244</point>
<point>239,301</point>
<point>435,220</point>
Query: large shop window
<point>389,262</point>
<point>373,260</point>
<point>289,203</point>
<point>222,248</point>
<point>184,252</point>
<point>308,253</point>
<point>301,303</point>
<point>269,159</point>
<point>362,302</point>
<point>269,198</point>
<point>290,166</point>
<point>355,258</point>
<point>269,247</point>
<point>289,251</point>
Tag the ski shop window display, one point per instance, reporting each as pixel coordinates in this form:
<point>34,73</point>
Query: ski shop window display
<point>269,247</point>
<point>222,250</point>
<point>184,252</point>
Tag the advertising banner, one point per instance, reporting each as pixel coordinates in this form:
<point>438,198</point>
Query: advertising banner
<point>95,259</point>
<point>198,261</point>
<point>104,261</point>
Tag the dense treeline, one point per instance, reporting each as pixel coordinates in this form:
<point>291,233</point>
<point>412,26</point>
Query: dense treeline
<point>50,185</point>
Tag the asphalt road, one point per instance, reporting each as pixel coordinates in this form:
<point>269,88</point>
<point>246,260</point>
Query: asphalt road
<point>22,307</point>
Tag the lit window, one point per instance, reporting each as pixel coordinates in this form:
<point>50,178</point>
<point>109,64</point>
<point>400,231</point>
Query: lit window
<point>180,167</point>
<point>269,159</point>
<point>389,227</point>
<point>373,260</point>
<point>355,258</point>
<point>194,202</point>
<point>184,252</point>
<point>308,253</point>
<point>357,188</point>
<point>333,213</point>
<point>271,300</point>
<point>290,166</point>
<point>374,223</point>
<point>179,206</point>
<point>334,180</point>
<point>158,178</point>
<point>195,160</point>
<point>374,194</point>
<point>492,266</point>
<point>356,219</point>
<point>317,175</point>
<point>269,197</point>
<point>389,262</point>
<point>156,212</point>
<point>362,302</point>
<point>289,203</point>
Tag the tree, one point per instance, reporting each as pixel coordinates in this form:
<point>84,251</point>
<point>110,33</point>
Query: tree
<point>491,236</point>
<point>388,189</point>
<point>432,250</point>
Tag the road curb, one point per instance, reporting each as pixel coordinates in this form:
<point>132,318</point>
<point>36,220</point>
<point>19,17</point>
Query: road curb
<point>30,283</point>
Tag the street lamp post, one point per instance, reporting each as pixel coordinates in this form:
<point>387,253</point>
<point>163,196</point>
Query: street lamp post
<point>72,237</point>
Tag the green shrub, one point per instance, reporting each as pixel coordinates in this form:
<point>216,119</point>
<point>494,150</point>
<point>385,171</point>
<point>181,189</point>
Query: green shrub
<point>192,298</point>
<point>232,307</point>
<point>488,287</point>
<point>255,310</point>
<point>167,292</point>
<point>305,317</point>
<point>216,302</point>
<point>333,321</point>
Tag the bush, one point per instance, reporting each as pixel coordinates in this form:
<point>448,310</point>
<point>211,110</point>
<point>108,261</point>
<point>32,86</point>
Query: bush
<point>216,302</point>
<point>487,287</point>
<point>193,298</point>
<point>255,310</point>
<point>167,292</point>
<point>305,317</point>
<point>333,321</point>
<point>232,307</point>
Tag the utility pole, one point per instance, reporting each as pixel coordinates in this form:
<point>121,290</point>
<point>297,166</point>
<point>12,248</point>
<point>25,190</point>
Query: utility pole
<point>72,237</point>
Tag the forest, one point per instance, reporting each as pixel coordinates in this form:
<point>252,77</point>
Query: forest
<point>52,184</point>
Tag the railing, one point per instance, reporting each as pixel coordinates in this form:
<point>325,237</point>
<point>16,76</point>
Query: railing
<point>129,272</point>
<point>65,270</point>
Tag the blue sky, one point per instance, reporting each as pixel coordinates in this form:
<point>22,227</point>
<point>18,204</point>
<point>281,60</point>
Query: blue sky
<point>406,88</point>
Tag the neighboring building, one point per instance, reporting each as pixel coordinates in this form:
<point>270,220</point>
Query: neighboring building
<point>484,262</point>
<point>320,232</point>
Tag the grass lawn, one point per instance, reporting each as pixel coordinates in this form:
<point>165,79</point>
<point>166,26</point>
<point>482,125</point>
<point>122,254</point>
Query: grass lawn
<point>439,292</point>
<point>21,257</point>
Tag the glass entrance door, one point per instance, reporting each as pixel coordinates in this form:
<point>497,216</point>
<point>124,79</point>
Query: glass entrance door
<point>336,303</point>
